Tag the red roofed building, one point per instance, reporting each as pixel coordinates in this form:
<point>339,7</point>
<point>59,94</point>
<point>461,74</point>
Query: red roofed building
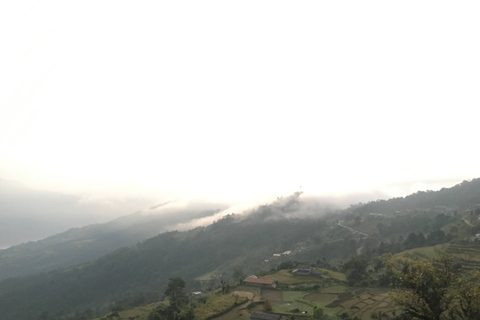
<point>254,281</point>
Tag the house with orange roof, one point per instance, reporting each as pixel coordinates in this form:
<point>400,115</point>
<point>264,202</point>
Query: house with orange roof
<point>259,282</point>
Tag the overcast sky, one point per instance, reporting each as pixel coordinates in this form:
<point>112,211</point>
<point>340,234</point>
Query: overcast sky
<point>230,100</point>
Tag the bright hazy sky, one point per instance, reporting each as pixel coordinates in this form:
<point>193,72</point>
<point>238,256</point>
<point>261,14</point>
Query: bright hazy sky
<point>234,99</point>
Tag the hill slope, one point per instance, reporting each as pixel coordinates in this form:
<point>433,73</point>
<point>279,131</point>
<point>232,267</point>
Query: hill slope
<point>463,196</point>
<point>91,242</point>
<point>140,273</point>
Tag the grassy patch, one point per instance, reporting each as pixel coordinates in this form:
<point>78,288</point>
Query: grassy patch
<point>252,289</point>
<point>141,312</point>
<point>287,307</point>
<point>292,295</point>
<point>217,305</point>
<point>423,252</point>
<point>336,289</point>
<point>286,277</point>
<point>320,299</point>
<point>335,275</point>
<point>367,226</point>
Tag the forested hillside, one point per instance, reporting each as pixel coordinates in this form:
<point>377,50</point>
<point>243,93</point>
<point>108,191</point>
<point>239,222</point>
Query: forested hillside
<point>463,196</point>
<point>91,242</point>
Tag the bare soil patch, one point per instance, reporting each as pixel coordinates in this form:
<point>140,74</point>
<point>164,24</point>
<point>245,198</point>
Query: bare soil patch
<point>318,297</point>
<point>360,291</point>
<point>334,304</point>
<point>360,305</point>
<point>365,296</point>
<point>379,297</point>
<point>272,295</point>
<point>345,296</point>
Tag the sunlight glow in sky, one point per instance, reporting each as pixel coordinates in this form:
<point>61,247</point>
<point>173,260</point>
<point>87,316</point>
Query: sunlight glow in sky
<point>231,100</point>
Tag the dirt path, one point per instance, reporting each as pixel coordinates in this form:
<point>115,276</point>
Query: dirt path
<point>353,230</point>
<point>359,251</point>
<point>468,222</point>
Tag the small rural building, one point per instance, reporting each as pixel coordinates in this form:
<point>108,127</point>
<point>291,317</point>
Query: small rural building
<point>259,282</point>
<point>197,294</point>
<point>267,316</point>
<point>303,270</point>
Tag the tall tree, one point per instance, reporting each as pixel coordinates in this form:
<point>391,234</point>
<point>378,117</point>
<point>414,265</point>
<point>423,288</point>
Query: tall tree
<point>355,269</point>
<point>175,289</point>
<point>238,275</point>
<point>468,290</point>
<point>425,289</point>
<point>176,295</point>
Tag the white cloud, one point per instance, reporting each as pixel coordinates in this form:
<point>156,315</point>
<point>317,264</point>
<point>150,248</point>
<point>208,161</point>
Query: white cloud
<point>237,100</point>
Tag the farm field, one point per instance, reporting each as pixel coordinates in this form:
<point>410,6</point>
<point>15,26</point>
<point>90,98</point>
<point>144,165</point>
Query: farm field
<point>423,252</point>
<point>287,278</point>
<point>333,300</point>
<point>466,254</point>
<point>220,304</point>
<point>243,310</point>
<point>364,304</point>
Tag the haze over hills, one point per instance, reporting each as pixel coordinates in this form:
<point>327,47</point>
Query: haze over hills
<point>28,214</point>
<point>116,106</point>
<point>303,227</point>
<point>91,242</point>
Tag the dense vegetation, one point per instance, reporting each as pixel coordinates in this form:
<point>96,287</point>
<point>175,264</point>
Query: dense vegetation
<point>273,237</point>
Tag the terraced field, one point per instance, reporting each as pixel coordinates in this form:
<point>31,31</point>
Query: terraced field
<point>468,255</point>
<point>365,304</point>
<point>362,303</point>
